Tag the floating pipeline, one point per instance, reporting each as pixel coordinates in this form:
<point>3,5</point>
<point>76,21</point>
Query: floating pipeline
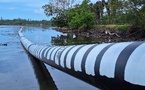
<point>113,66</point>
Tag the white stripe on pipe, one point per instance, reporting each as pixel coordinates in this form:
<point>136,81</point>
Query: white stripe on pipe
<point>69,56</point>
<point>63,55</point>
<point>91,58</point>
<point>107,65</point>
<point>135,67</point>
<point>79,57</point>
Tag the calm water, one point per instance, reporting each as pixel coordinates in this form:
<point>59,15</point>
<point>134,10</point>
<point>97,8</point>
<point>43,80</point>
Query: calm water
<point>21,71</point>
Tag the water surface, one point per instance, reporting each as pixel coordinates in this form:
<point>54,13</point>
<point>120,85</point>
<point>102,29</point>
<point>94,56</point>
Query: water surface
<point>21,71</point>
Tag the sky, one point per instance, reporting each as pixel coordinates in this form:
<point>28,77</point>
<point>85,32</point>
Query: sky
<point>24,9</point>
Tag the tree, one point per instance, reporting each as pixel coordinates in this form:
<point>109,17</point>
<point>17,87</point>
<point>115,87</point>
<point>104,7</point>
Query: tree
<point>58,8</point>
<point>137,7</point>
<point>81,16</point>
<point>97,9</point>
<point>105,4</point>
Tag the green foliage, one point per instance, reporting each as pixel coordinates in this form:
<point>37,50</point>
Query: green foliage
<point>84,16</point>
<point>81,17</point>
<point>125,12</point>
<point>59,21</point>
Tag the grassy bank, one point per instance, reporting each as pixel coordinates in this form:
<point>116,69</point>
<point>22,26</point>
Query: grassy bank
<point>115,26</point>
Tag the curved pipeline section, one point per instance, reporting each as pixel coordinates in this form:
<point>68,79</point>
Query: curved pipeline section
<point>119,66</point>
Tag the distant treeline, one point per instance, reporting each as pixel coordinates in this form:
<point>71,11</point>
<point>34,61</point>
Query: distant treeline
<point>23,22</point>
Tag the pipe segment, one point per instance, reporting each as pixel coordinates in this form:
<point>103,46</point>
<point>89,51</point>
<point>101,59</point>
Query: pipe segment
<point>118,66</point>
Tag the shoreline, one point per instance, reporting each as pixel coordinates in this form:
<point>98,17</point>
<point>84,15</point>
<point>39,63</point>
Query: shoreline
<point>108,35</point>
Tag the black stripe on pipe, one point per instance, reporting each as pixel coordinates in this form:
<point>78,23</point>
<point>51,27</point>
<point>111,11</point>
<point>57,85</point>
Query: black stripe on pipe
<point>123,58</point>
<point>85,57</point>
<point>52,52</point>
<point>66,55</point>
<point>73,57</point>
<point>99,57</point>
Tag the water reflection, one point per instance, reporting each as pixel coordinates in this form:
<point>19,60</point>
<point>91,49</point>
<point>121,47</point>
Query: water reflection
<point>40,35</point>
<point>42,74</point>
<point>34,28</point>
<point>71,39</point>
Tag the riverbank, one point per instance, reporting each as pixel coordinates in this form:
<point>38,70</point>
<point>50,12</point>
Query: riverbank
<point>107,34</point>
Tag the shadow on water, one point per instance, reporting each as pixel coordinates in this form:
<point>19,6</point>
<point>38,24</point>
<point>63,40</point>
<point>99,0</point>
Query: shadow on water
<point>42,74</point>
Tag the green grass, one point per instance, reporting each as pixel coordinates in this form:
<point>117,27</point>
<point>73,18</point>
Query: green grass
<point>118,27</point>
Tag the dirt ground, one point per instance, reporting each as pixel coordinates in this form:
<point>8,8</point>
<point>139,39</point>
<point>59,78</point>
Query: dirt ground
<point>112,35</point>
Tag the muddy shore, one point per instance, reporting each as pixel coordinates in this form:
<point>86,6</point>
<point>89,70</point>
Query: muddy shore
<point>109,34</point>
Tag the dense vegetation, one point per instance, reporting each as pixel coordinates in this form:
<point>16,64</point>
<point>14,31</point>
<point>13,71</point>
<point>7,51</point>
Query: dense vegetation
<point>23,22</point>
<point>70,14</point>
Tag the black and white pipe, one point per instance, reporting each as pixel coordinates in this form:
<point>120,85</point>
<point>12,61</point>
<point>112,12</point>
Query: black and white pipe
<point>107,66</point>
